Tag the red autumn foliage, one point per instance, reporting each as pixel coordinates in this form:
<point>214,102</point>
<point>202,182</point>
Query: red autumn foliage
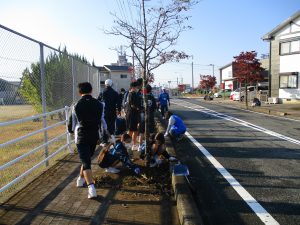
<point>207,82</point>
<point>247,68</point>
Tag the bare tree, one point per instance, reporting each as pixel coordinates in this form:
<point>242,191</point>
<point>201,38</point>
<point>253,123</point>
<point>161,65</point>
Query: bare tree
<point>151,34</point>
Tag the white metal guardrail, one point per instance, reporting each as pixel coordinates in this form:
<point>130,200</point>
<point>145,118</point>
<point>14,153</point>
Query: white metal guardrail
<point>43,146</point>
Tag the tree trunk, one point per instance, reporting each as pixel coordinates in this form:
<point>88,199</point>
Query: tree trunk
<point>246,95</point>
<point>145,95</point>
<point>240,98</point>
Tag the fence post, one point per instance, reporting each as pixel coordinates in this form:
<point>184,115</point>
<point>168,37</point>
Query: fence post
<point>43,94</point>
<point>88,74</point>
<point>68,135</point>
<point>99,82</point>
<point>73,80</point>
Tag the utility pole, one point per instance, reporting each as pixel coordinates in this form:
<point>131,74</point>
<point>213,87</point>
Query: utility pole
<point>213,68</point>
<point>132,48</point>
<point>192,73</point>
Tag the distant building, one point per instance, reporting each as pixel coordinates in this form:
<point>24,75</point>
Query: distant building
<point>121,73</point>
<point>284,59</point>
<point>228,77</point>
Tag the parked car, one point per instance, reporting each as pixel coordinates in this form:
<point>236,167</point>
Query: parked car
<point>222,92</point>
<point>252,93</point>
<point>235,95</point>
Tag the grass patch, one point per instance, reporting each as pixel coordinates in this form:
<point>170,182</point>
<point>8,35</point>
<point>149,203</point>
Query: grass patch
<point>13,151</point>
<point>296,108</point>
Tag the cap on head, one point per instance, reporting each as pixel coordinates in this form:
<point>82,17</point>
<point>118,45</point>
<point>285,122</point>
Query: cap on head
<point>108,82</point>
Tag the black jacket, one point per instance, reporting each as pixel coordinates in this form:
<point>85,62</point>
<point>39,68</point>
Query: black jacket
<point>85,120</point>
<point>111,99</point>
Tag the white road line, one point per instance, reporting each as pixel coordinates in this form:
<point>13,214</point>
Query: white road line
<point>236,120</point>
<point>264,114</point>
<point>264,216</point>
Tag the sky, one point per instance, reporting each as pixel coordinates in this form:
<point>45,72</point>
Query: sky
<point>221,30</point>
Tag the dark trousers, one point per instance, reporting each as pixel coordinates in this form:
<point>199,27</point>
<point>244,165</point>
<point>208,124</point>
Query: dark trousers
<point>111,126</point>
<point>85,152</point>
<point>163,109</point>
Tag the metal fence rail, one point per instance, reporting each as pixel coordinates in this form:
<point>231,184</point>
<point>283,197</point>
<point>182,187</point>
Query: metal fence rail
<point>37,81</point>
<point>42,146</point>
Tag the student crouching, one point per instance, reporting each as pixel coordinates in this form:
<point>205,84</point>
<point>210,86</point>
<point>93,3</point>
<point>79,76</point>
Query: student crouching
<point>113,154</point>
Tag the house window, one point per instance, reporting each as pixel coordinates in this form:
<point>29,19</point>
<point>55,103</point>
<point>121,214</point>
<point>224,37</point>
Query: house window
<point>123,75</point>
<point>290,47</point>
<point>295,46</point>
<point>288,80</point>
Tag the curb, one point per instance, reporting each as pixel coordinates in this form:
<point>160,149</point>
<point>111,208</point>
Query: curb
<point>262,110</point>
<point>186,206</point>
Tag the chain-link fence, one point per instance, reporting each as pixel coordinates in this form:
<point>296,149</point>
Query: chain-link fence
<point>35,79</point>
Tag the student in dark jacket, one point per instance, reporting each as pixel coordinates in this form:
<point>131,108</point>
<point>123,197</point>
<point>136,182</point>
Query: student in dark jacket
<point>151,122</point>
<point>112,108</point>
<point>85,122</point>
<point>132,116</point>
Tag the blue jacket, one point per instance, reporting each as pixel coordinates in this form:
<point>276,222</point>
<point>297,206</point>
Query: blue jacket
<point>164,99</point>
<point>179,124</point>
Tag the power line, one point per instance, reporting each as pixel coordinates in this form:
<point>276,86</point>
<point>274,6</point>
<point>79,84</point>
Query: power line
<point>130,11</point>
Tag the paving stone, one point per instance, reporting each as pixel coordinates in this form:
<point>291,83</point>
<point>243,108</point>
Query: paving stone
<point>53,198</point>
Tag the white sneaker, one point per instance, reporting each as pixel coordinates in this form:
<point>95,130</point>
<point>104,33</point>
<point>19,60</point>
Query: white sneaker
<point>113,139</point>
<point>103,144</point>
<point>154,164</point>
<point>172,158</point>
<point>80,181</point>
<point>140,148</point>
<point>112,170</point>
<point>92,191</point>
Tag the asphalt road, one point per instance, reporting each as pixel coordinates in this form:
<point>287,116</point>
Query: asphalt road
<point>250,173</point>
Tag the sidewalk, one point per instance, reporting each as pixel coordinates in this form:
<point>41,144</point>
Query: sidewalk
<point>291,110</point>
<point>122,198</point>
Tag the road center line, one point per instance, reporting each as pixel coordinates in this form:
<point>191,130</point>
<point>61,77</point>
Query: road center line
<point>264,216</point>
<point>236,120</point>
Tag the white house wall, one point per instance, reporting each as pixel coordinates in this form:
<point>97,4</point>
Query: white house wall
<point>228,84</point>
<point>227,73</point>
<point>290,63</point>
<point>283,31</point>
<point>295,25</point>
<point>286,36</point>
<point>290,93</point>
<point>119,82</point>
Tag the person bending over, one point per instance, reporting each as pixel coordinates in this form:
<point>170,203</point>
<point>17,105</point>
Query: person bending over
<point>115,153</point>
<point>158,150</point>
<point>176,127</point>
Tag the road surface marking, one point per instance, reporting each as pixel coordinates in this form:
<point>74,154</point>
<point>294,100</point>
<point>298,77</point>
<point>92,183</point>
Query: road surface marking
<point>247,110</point>
<point>236,120</point>
<point>264,216</point>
